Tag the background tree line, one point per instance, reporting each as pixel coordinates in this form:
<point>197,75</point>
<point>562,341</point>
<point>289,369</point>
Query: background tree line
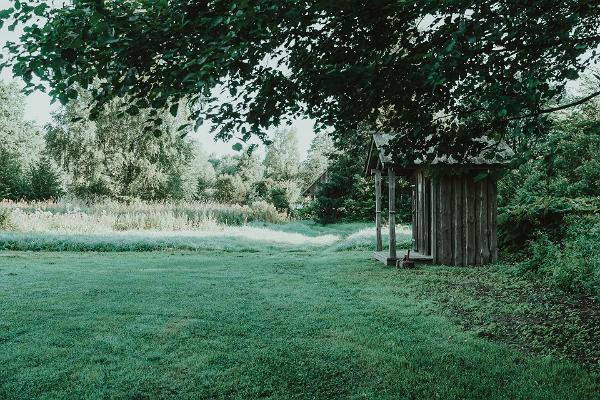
<point>548,206</point>
<point>115,157</point>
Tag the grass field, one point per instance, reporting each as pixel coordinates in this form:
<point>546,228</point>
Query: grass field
<point>274,321</point>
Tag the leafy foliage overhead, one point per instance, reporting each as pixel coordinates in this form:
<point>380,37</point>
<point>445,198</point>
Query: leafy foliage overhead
<point>439,72</point>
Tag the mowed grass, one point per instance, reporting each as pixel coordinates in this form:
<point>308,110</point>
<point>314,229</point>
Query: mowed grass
<point>286,322</point>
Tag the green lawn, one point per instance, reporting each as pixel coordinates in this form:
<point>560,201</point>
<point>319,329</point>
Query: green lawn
<point>274,323</point>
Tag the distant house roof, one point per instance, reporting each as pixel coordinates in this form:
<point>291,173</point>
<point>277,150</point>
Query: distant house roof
<point>379,152</point>
<point>311,190</point>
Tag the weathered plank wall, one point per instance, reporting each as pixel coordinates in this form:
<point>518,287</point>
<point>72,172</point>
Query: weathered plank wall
<point>392,211</point>
<point>426,247</point>
<point>378,242</point>
<point>422,214</point>
<point>415,204</point>
<point>455,219</point>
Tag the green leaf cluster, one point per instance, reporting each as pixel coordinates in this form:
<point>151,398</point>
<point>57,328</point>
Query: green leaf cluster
<point>439,72</point>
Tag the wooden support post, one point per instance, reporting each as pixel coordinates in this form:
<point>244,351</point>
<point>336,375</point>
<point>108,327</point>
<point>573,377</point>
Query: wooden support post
<point>419,222</point>
<point>493,220</point>
<point>470,222</point>
<point>378,243</point>
<point>457,221</point>
<point>426,217</point>
<point>484,228</point>
<point>445,232</point>
<point>392,208</point>
<point>435,193</point>
<point>415,237</point>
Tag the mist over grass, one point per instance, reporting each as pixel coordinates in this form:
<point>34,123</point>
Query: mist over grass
<point>364,239</point>
<point>241,238</point>
<point>105,227</point>
<point>218,238</point>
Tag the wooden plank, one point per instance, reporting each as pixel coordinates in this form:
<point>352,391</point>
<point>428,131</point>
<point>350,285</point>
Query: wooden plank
<point>392,210</point>
<point>445,221</point>
<point>463,182</point>
<point>414,218</point>
<point>383,256</point>
<point>422,215</point>
<point>415,256</point>
<point>482,219</point>
<point>493,220</point>
<point>457,221</point>
<point>426,250</point>
<point>434,218</point>
<point>419,184</point>
<point>380,256</point>
<point>423,249</point>
<point>478,201</point>
<point>486,254</point>
<point>378,242</point>
<point>470,227</point>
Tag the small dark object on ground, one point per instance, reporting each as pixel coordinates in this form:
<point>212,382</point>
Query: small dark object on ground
<point>406,262</point>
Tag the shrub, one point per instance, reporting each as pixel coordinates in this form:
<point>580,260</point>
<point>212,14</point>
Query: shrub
<point>203,186</point>
<point>572,264</point>
<point>262,188</point>
<point>520,223</point>
<point>90,191</point>
<point>230,189</point>
<point>5,219</point>
<point>559,179</point>
<point>266,212</point>
<point>44,182</point>
<point>279,198</point>
<point>344,197</point>
<point>12,182</point>
<point>172,189</point>
<point>305,211</point>
<point>285,194</point>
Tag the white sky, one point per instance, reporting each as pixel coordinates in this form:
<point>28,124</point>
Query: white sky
<point>38,109</point>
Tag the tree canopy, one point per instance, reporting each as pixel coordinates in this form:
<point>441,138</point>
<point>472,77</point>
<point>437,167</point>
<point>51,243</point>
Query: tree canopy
<point>438,72</point>
<point>282,161</point>
<point>112,156</point>
<point>18,136</point>
<point>317,158</point>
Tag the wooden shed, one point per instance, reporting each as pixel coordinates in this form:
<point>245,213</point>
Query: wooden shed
<point>454,208</point>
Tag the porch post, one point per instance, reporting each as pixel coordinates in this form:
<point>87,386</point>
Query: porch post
<point>378,244</point>
<point>392,207</point>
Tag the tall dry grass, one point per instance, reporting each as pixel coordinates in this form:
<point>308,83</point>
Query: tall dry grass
<point>64,216</point>
<point>140,226</point>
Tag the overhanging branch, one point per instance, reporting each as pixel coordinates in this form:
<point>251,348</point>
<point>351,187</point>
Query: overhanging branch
<point>557,108</point>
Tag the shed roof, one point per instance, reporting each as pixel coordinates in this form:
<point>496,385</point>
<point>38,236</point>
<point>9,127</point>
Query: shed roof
<point>502,154</point>
<point>310,189</point>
